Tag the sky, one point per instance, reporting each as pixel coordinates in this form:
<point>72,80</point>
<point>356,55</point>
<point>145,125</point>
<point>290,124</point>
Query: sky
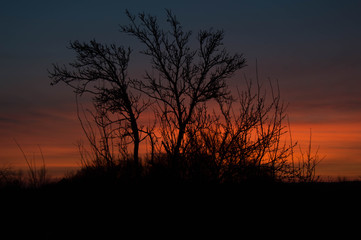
<point>312,48</point>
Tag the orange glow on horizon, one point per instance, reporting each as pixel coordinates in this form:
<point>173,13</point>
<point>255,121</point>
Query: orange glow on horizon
<point>339,143</point>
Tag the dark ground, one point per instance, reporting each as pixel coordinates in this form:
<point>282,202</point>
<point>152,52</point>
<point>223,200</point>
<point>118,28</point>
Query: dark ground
<point>86,210</point>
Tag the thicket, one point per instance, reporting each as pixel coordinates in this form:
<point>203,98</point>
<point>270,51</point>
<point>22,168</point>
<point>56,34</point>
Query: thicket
<point>203,131</point>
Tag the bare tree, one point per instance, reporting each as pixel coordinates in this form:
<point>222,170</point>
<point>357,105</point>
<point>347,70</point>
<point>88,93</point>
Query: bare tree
<point>304,170</point>
<point>239,140</point>
<point>185,77</point>
<point>101,71</point>
<point>243,140</point>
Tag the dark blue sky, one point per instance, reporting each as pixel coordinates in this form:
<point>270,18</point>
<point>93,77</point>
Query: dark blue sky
<point>297,42</point>
<point>311,47</point>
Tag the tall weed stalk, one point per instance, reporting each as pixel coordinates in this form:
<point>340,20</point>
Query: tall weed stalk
<point>38,176</point>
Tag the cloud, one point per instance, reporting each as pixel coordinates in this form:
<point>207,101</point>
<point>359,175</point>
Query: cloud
<point>9,120</point>
<point>337,102</point>
<point>55,131</point>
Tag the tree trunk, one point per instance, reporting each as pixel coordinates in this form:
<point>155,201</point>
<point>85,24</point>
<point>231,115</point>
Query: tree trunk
<point>136,140</point>
<point>176,158</point>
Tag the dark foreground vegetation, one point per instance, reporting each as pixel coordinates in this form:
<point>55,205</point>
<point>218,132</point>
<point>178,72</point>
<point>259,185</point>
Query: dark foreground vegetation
<point>126,178</point>
<point>105,203</point>
<point>96,203</point>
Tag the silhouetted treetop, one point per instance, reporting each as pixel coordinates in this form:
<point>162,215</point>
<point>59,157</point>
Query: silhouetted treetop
<point>185,77</point>
<point>101,70</point>
<point>94,61</point>
<point>199,73</point>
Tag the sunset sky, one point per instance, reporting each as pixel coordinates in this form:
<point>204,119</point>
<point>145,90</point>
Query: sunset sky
<point>311,47</point>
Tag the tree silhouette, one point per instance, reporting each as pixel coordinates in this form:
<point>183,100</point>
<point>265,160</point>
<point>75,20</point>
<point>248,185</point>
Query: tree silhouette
<point>239,140</point>
<point>185,77</point>
<point>243,140</point>
<point>101,70</point>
